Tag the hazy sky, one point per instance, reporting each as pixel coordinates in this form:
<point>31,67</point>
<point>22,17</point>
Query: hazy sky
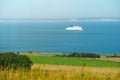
<point>59,8</point>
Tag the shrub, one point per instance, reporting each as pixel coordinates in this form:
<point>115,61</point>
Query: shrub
<point>10,60</point>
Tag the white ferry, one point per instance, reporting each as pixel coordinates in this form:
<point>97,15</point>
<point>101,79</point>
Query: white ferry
<point>79,28</point>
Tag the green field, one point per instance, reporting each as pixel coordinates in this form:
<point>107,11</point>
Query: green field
<point>73,61</point>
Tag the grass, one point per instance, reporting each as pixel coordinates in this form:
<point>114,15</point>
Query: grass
<point>73,61</point>
<point>41,73</point>
<point>110,59</point>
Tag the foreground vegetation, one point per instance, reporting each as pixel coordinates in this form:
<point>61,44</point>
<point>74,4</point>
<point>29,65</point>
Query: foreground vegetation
<point>41,73</point>
<point>76,69</point>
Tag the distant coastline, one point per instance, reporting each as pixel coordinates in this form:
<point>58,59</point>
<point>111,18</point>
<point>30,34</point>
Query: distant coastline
<point>107,19</point>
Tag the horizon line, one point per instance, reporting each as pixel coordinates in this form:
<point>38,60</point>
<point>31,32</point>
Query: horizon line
<point>69,18</point>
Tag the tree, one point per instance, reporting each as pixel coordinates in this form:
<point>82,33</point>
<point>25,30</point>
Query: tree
<point>10,60</point>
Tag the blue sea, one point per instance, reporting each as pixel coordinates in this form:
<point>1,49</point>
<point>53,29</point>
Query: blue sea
<point>97,37</point>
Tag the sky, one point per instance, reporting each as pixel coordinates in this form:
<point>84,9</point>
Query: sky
<point>59,8</point>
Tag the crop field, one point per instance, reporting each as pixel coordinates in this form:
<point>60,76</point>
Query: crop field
<point>49,72</point>
<point>73,61</point>
<point>110,59</point>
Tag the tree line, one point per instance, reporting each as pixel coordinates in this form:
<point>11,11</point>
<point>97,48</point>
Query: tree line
<point>80,55</point>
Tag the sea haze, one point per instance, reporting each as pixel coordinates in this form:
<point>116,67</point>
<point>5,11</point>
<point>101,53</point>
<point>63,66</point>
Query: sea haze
<point>97,37</point>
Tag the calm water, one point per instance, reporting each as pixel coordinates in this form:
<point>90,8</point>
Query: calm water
<point>97,37</point>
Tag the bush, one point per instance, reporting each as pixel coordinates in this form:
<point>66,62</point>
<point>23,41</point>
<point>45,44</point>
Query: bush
<point>10,60</point>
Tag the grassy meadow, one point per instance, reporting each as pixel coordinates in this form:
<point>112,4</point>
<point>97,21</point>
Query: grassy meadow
<point>48,67</point>
<point>73,61</point>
